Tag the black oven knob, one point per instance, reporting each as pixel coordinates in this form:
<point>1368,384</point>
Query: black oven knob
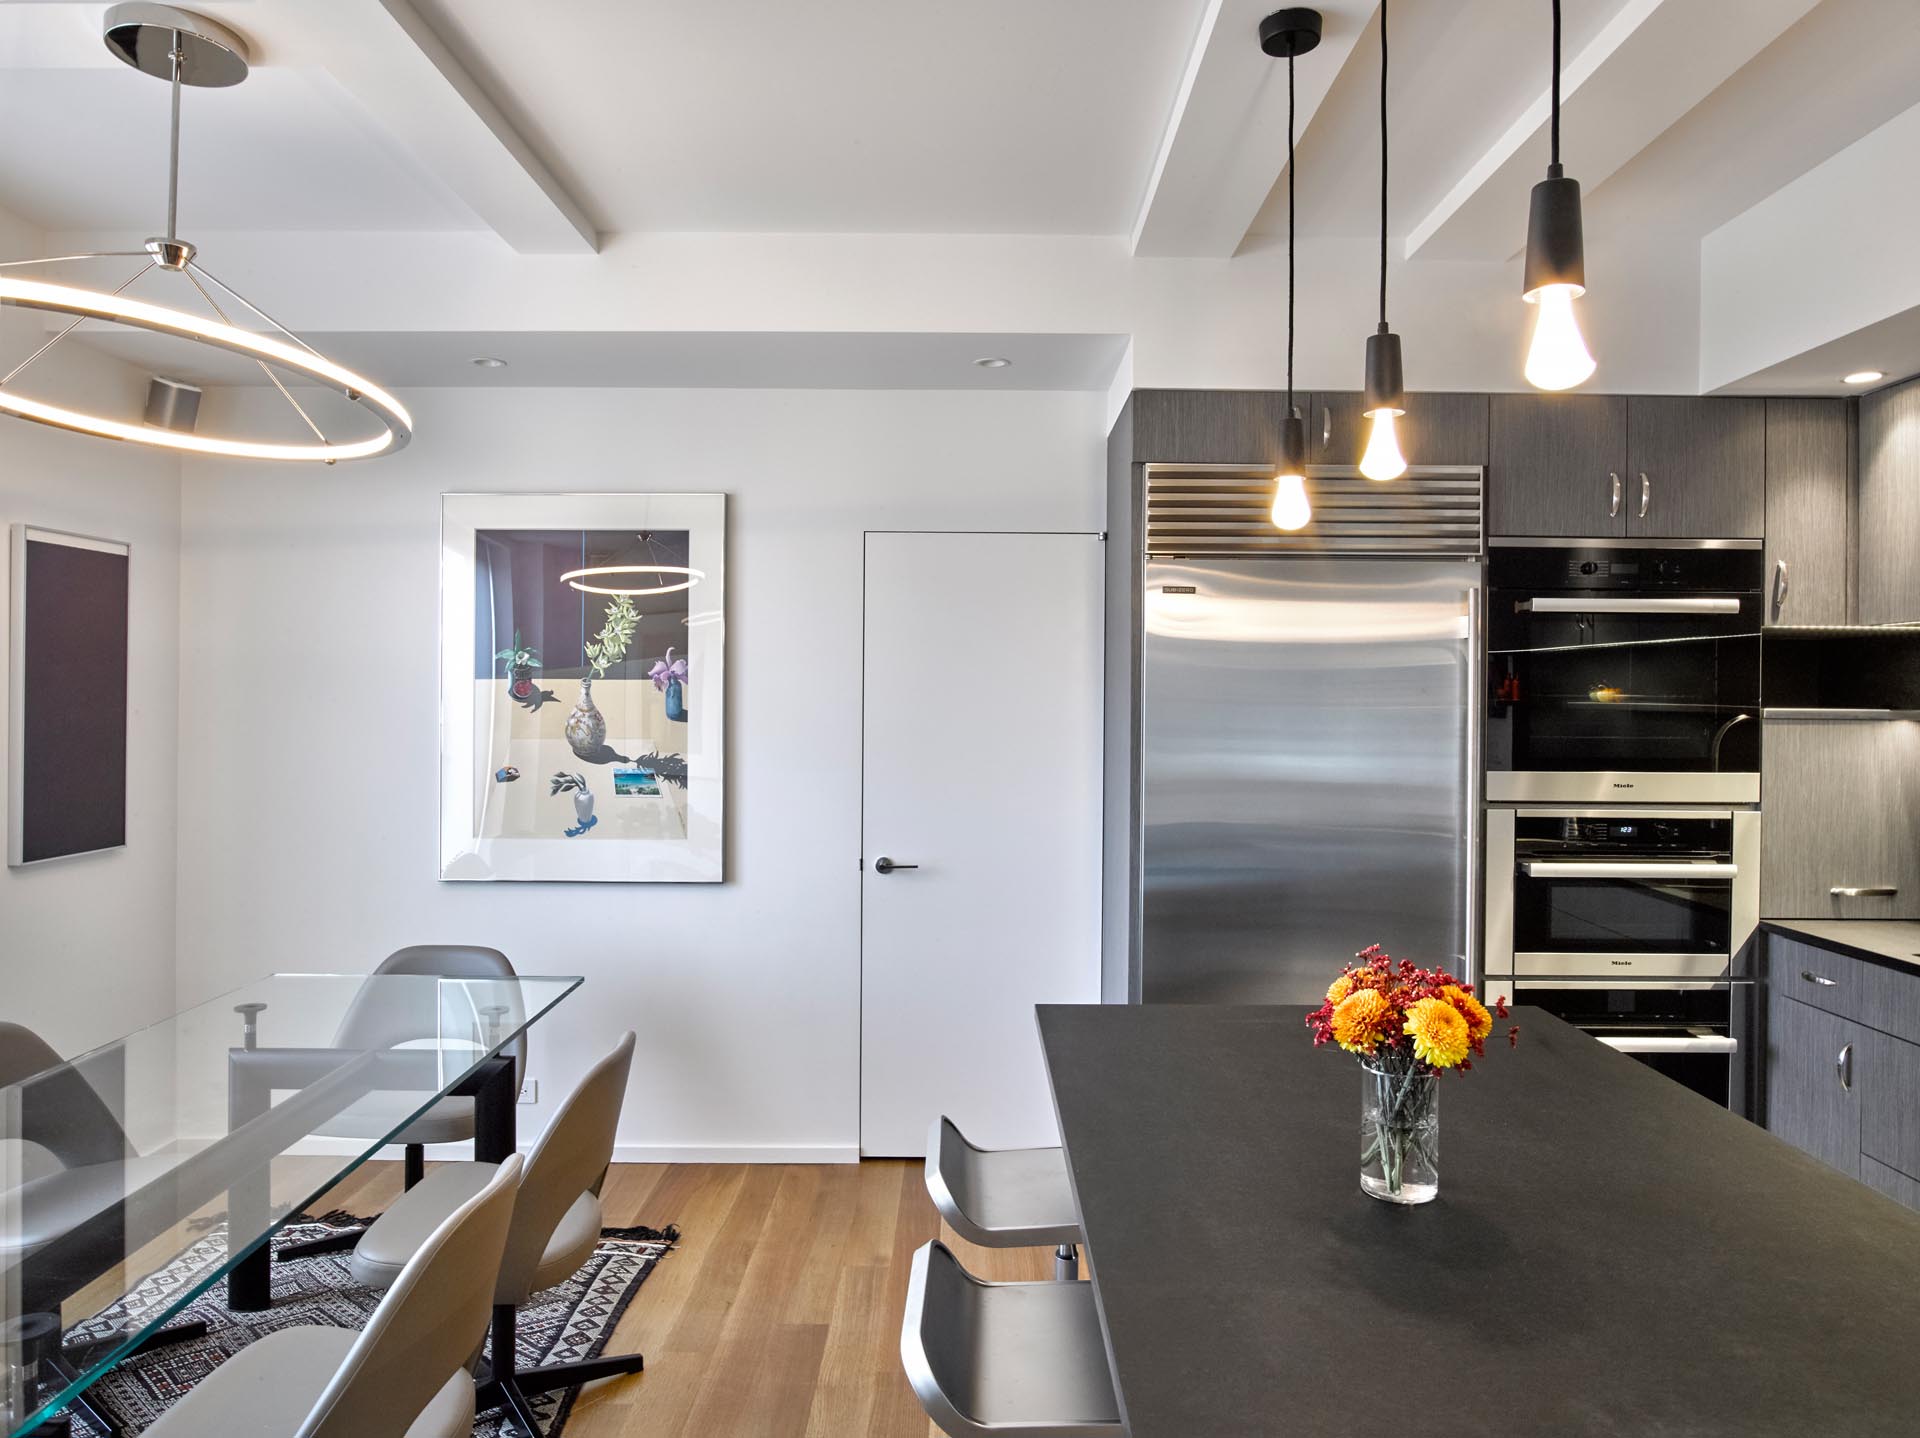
<point>1589,567</point>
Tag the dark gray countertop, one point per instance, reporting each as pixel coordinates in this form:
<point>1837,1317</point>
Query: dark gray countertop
<point>1879,941</point>
<point>1610,1254</point>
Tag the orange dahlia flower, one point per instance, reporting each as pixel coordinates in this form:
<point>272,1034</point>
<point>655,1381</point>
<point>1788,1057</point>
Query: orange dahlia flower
<point>1339,988</point>
<point>1479,1021</point>
<point>1440,1033</point>
<point>1361,1020</point>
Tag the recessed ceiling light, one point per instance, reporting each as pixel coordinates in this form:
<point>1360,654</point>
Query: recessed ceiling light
<point>992,362</point>
<point>1863,376</point>
<point>487,362</point>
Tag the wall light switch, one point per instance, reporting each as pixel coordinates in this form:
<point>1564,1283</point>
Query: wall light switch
<point>530,1091</point>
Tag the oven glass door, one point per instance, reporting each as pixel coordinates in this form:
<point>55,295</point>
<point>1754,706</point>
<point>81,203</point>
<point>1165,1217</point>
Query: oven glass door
<point>1626,886</point>
<point>1684,1033</point>
<point>1607,679</point>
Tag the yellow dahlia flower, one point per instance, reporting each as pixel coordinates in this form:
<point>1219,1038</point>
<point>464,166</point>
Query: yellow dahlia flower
<point>1440,1033</point>
<point>1479,1021</point>
<point>1362,1019</point>
<point>1340,988</point>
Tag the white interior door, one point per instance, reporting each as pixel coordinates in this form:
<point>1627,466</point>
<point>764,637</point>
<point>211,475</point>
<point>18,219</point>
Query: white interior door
<point>981,770</point>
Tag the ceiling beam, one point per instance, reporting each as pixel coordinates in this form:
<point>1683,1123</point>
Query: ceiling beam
<point>1226,142</point>
<point>383,53</point>
<point>1649,65</point>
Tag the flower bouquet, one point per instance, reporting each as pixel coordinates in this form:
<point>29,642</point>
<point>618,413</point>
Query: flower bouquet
<point>1407,1025</point>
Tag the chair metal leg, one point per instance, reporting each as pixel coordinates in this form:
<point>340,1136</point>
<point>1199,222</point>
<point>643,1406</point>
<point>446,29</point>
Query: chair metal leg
<point>415,1167</point>
<point>515,1402</point>
<point>1066,1262</point>
<point>549,1376</point>
<point>82,1403</point>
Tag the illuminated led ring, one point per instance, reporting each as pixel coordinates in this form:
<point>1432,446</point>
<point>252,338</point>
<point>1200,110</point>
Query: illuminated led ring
<point>93,304</point>
<point>574,576</point>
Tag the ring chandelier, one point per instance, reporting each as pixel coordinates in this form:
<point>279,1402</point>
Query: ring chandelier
<point>574,576</point>
<point>188,49</point>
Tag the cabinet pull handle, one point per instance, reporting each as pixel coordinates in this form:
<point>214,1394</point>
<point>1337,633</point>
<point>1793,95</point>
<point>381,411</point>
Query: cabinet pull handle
<point>1646,494</point>
<point>1613,509</point>
<point>1326,425</point>
<point>1864,891</point>
<point>1821,979</point>
<point>1779,587</point>
<point>1843,1068</point>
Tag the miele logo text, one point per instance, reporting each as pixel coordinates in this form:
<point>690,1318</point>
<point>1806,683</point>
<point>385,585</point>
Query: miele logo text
<point>1622,786</point>
<point>1621,963</point>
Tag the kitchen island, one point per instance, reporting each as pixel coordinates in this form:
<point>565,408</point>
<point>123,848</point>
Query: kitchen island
<point>1610,1253</point>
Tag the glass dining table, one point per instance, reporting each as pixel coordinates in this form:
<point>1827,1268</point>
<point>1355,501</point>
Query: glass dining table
<point>222,1122</point>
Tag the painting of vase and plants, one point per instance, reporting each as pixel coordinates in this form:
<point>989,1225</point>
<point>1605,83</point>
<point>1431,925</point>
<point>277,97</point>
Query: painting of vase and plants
<point>580,725</point>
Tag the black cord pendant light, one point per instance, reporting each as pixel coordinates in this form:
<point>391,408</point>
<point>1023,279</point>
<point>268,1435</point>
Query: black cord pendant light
<point>1291,33</point>
<point>1386,392</point>
<point>1556,265</point>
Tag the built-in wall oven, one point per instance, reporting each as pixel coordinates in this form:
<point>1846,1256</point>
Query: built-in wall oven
<point>1623,671</point>
<point>1630,923</point>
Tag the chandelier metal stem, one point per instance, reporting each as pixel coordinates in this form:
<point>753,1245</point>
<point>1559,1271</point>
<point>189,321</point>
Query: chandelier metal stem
<point>173,145</point>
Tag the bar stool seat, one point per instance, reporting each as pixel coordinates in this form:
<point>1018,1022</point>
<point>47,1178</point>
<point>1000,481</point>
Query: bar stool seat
<point>1005,1360</point>
<point>1004,1198</point>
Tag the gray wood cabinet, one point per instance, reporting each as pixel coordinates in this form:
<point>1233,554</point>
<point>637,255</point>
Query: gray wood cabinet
<point>1813,1081</point>
<point>1436,429</point>
<point>1557,465</point>
<point>1838,806</point>
<point>1890,1181</point>
<point>1888,578</point>
<point>1890,1103</point>
<point>1696,467</point>
<point>1193,426</point>
<point>1806,511</point>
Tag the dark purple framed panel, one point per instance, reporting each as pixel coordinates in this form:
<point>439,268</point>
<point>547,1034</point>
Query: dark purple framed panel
<point>66,696</point>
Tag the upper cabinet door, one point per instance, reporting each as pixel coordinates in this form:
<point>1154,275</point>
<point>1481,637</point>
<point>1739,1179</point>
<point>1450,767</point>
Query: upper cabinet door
<point>1889,504</point>
<point>1196,426</point>
<point>1696,467</point>
<point>1806,511</point>
<point>1436,429</point>
<point>1557,465</point>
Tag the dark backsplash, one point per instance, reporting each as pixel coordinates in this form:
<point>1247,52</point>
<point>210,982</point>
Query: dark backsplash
<point>1841,669</point>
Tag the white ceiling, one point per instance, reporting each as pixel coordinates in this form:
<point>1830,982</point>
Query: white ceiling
<point>882,116</point>
<point>1083,167</point>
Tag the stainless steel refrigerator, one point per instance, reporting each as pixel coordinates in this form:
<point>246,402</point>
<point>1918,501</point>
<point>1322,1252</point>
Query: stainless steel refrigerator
<point>1307,757</point>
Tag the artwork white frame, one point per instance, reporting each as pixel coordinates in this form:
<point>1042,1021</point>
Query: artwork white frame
<point>466,854</point>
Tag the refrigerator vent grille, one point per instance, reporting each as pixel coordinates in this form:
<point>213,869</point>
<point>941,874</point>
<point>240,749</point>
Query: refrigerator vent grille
<point>1218,510</point>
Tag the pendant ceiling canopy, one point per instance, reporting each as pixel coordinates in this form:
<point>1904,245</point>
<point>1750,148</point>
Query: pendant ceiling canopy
<point>186,49</point>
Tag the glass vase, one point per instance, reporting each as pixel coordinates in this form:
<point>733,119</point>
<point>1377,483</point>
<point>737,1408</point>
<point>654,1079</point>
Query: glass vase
<point>1400,1133</point>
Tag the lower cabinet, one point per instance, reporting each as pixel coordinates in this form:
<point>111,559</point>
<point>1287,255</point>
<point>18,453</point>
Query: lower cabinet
<point>1843,1091</point>
<point>1813,1074</point>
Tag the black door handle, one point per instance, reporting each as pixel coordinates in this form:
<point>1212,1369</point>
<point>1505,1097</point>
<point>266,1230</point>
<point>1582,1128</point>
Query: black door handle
<point>884,865</point>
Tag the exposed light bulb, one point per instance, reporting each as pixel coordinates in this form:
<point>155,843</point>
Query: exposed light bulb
<point>1291,507</point>
<point>1558,357</point>
<point>1383,459</point>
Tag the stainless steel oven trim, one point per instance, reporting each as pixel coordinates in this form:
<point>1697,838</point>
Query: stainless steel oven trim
<point>1608,869</point>
<point>1616,542</point>
<point>1619,970</point>
<point>1476,767</point>
<point>1534,786</point>
<point>1628,811</point>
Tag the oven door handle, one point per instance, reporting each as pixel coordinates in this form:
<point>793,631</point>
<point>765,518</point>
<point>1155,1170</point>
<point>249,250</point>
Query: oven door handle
<point>1663,1044</point>
<point>1579,605</point>
<point>1601,869</point>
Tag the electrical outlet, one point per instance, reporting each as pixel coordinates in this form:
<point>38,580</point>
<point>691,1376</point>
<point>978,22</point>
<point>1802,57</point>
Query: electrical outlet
<point>530,1091</point>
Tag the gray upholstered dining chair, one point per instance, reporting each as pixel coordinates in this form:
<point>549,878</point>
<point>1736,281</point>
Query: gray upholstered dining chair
<point>1004,1198</point>
<point>556,1223</point>
<point>404,1374</point>
<point>1005,1360</point>
<point>374,1021</point>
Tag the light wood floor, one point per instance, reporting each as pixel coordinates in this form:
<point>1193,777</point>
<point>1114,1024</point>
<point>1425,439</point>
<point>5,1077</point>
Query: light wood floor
<point>779,1314</point>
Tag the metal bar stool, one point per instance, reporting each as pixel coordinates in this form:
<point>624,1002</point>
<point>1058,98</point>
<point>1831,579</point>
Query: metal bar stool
<point>1005,1360</point>
<point>1004,1198</point>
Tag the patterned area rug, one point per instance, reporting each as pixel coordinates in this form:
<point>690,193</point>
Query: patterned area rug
<point>574,1320</point>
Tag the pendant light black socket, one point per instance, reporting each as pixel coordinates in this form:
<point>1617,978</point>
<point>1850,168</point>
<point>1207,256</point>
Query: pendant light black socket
<point>1293,444</point>
<point>1286,33</point>
<point>1556,245</point>
<point>1386,389</point>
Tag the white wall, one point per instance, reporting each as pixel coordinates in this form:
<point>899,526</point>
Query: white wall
<point>86,944</point>
<point>309,609</point>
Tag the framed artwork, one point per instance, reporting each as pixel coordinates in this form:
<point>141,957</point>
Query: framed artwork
<point>582,687</point>
<point>66,696</point>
